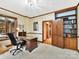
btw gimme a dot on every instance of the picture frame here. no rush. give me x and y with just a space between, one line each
21 27
35 26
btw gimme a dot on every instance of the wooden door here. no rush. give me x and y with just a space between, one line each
54 32
57 30
60 41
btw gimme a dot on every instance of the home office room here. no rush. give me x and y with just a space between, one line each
39 29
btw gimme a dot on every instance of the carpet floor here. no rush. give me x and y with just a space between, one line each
43 51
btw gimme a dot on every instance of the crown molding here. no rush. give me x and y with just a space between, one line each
8 16
42 14
13 12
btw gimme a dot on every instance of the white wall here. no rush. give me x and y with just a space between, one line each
40 20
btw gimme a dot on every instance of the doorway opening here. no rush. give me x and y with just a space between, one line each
47 32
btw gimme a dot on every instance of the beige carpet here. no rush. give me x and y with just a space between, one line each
43 51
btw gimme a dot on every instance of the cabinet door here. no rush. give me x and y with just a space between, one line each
67 43
71 43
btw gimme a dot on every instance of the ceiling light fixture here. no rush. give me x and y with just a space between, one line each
31 2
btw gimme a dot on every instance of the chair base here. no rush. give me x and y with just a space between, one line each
15 50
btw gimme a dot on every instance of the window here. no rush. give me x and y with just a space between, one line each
7 24
67 13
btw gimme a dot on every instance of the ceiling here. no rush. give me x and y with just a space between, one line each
42 7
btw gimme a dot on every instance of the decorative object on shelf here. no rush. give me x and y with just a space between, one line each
68 35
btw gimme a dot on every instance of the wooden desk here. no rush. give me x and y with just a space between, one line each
31 43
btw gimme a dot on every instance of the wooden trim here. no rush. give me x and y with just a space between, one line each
77 24
13 12
16 24
6 24
66 9
42 14
34 33
71 49
7 16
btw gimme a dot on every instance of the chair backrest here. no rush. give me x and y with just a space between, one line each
12 38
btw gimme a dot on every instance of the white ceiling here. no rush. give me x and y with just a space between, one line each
43 6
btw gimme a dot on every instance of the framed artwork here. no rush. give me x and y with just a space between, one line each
21 27
35 26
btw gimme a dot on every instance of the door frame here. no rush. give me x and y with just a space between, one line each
43 30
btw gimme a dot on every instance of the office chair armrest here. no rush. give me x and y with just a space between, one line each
19 41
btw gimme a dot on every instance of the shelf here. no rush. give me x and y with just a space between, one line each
70 27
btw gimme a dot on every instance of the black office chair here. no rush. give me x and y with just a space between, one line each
18 45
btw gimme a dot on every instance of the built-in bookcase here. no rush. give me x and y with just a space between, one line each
69 22
69 17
